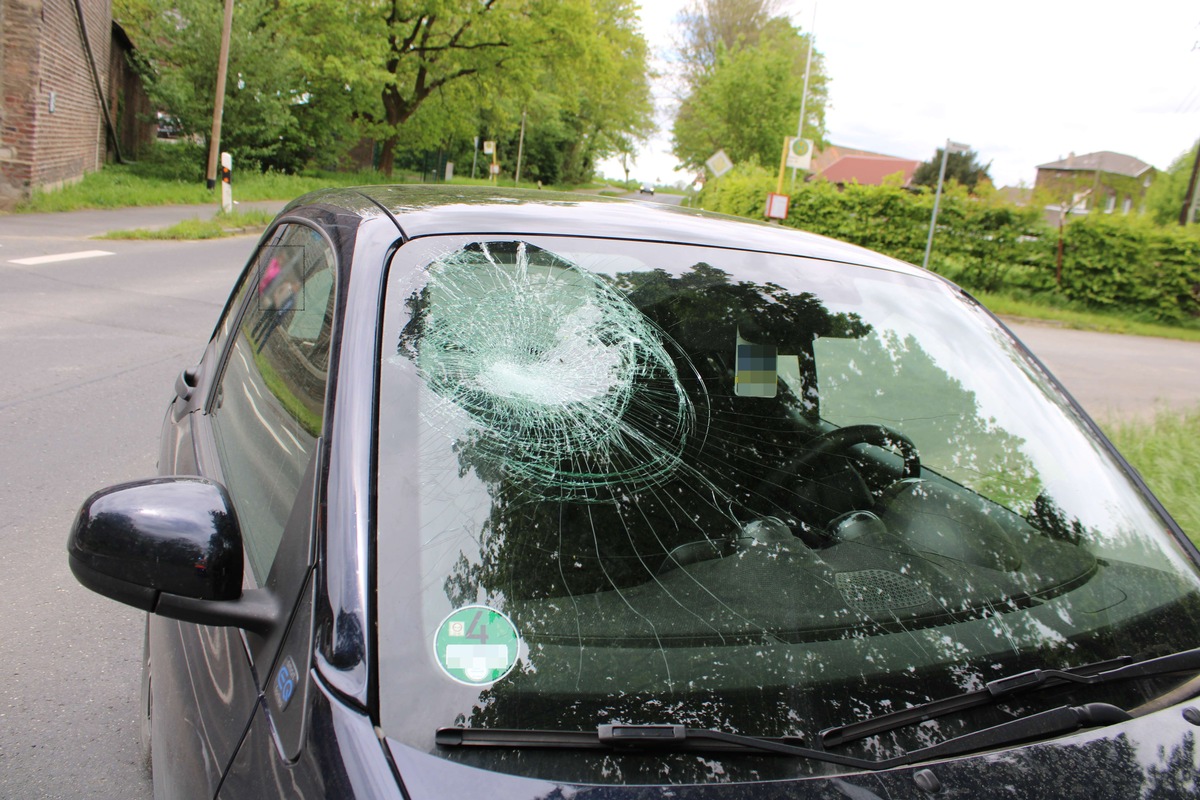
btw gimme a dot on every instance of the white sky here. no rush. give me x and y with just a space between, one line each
1023 83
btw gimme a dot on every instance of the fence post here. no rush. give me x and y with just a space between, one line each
226 187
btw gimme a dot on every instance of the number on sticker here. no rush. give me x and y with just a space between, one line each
481 634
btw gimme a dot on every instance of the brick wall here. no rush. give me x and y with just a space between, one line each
18 82
51 128
70 139
130 107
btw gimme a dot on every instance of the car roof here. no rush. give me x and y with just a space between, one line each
430 210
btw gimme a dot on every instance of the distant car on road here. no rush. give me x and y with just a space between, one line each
646 188
526 494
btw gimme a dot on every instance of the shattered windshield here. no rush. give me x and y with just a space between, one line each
622 482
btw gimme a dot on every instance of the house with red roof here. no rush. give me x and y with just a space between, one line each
844 165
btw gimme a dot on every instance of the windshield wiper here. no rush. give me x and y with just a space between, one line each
1116 669
607 737
678 737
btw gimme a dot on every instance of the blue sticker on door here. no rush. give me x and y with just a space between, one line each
286 681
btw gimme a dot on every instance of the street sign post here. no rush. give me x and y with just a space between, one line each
951 147
777 205
489 147
719 163
799 153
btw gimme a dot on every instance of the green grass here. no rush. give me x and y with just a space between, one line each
1005 305
122 187
1167 454
174 175
239 222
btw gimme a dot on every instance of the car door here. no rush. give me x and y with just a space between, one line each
259 434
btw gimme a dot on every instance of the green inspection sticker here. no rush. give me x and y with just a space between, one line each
476 645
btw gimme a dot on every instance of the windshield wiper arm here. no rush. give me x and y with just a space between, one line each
1120 668
679 737
609 737
641 738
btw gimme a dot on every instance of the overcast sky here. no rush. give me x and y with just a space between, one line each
1023 82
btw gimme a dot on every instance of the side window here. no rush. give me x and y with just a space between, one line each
269 410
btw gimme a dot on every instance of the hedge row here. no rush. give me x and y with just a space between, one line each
985 244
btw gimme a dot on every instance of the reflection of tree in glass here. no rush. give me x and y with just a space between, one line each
546 542
891 379
1050 519
1175 774
596 517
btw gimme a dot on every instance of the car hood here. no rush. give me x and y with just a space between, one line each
1151 756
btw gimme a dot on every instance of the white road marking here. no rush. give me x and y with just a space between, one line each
61 257
263 420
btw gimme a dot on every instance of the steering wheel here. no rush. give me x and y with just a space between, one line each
775 487
840 439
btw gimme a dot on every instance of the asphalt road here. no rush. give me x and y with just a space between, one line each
89 350
659 197
1117 377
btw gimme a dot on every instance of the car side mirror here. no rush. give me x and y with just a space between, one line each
170 546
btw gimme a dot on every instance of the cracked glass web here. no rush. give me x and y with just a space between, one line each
570 387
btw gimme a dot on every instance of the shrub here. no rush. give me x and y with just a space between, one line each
1109 262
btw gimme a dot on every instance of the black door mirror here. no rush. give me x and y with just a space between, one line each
170 546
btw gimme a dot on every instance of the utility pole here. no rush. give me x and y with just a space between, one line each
214 142
1189 200
520 150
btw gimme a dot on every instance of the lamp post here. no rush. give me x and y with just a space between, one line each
812 33
951 147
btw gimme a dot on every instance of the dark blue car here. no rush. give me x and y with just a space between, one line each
489 494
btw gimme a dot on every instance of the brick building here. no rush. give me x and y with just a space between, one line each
1105 182
52 123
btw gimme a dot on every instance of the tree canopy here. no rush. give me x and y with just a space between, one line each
311 78
178 43
1165 197
963 167
743 73
708 27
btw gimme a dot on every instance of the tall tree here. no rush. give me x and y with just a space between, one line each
415 66
748 99
178 42
578 110
1165 197
312 77
710 25
605 102
963 167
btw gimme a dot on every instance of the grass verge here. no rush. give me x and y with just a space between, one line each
1084 320
239 222
1167 454
173 175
